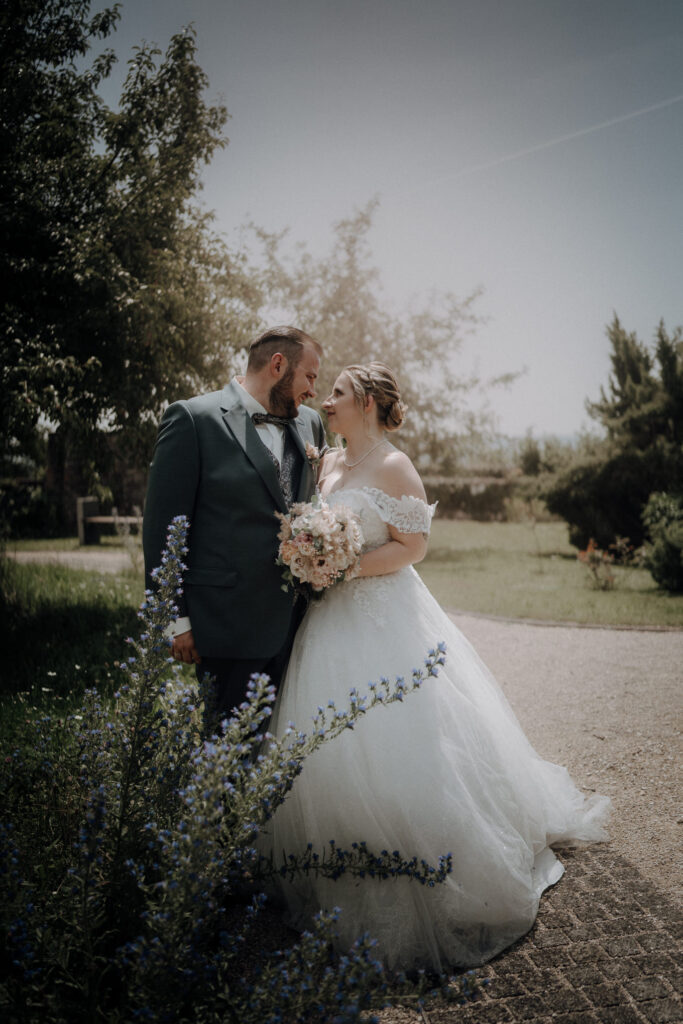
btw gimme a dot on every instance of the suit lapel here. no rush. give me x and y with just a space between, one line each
307 479
243 430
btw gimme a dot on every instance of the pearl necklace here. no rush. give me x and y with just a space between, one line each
350 465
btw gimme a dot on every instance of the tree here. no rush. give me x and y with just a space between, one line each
641 411
337 299
530 457
641 408
119 296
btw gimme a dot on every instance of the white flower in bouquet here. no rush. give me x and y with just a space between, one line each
320 545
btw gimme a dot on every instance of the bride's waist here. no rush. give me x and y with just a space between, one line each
386 577
374 595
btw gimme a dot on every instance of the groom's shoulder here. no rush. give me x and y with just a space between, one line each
310 426
307 415
198 405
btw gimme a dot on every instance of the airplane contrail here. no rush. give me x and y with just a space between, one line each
538 147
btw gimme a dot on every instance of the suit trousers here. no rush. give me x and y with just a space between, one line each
231 675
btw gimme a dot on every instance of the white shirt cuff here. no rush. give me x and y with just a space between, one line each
181 625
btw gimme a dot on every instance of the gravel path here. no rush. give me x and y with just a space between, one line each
608 705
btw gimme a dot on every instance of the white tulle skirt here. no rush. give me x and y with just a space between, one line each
449 770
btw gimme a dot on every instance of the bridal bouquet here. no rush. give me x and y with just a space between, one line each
319 545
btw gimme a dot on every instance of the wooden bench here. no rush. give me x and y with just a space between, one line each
90 522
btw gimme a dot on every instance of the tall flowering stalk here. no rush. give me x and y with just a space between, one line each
129 849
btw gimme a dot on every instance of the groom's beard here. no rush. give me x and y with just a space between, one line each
281 398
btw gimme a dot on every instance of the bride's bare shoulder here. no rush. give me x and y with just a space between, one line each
328 462
398 476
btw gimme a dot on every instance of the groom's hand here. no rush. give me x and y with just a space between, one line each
184 648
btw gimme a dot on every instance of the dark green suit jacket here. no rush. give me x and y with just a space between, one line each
210 465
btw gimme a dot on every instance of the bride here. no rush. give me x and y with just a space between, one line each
449 769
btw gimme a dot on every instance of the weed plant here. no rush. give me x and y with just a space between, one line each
598 564
128 856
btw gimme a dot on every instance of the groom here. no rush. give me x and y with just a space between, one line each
229 461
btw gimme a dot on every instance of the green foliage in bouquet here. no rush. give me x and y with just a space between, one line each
129 874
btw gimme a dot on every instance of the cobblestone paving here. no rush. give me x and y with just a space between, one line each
606 947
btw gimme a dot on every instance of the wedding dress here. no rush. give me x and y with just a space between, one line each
448 770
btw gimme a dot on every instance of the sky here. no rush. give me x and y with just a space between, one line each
533 148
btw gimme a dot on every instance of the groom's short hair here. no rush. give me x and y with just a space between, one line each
288 340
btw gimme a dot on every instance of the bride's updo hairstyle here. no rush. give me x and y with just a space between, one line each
377 380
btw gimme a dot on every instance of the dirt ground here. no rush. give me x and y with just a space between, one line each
608 705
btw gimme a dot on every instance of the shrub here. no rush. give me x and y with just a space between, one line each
601 499
641 412
663 520
26 511
483 498
129 840
525 507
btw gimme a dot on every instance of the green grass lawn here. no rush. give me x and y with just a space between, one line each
63 544
515 570
62 630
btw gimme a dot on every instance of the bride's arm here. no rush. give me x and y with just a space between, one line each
398 478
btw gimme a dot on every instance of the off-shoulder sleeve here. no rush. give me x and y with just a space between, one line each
407 514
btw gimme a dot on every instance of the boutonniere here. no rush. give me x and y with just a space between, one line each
312 454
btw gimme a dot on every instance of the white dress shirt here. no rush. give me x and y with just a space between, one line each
272 437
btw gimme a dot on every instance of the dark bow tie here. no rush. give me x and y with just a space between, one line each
269 417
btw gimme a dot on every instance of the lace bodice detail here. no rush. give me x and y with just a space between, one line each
377 511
